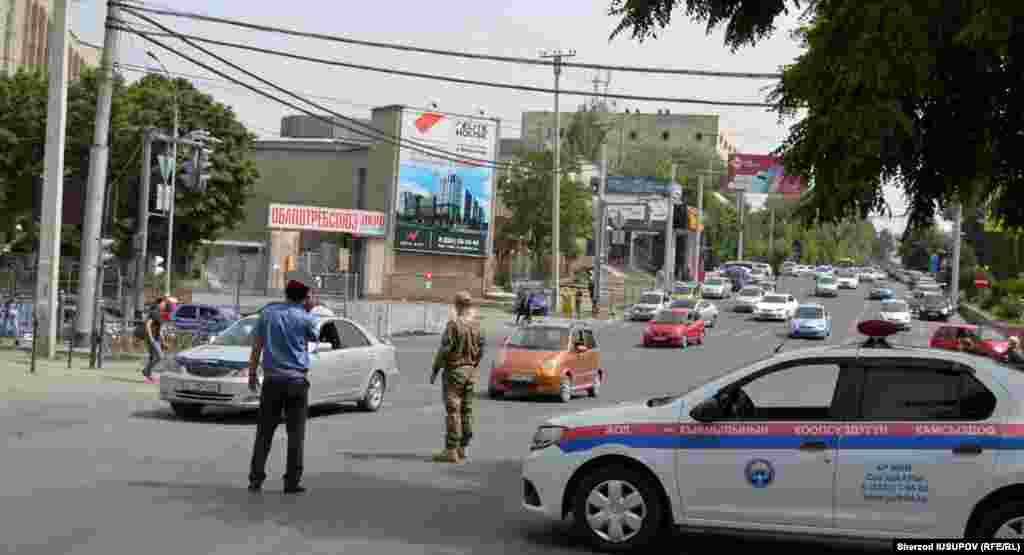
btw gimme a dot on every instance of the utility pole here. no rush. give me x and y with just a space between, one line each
48 274
700 220
740 205
557 56
669 267
600 225
142 229
955 275
99 157
771 232
170 185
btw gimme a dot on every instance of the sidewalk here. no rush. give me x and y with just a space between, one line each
119 377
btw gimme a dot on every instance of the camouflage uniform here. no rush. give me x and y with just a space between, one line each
462 348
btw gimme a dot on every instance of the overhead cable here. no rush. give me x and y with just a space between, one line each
460 80
440 52
390 139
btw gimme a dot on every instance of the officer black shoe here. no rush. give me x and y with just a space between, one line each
294 489
255 487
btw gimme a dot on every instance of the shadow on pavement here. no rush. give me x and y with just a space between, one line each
235 417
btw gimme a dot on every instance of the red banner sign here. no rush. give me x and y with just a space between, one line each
339 220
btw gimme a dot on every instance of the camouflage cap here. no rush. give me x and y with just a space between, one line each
463 299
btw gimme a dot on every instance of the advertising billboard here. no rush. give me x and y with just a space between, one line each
760 174
444 207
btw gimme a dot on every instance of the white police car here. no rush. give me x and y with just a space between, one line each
849 441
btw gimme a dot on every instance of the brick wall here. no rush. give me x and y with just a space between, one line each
451 274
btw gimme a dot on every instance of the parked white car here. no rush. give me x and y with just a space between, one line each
776 307
649 304
896 311
349 364
717 288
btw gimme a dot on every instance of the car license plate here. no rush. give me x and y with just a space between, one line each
205 387
521 379
659 338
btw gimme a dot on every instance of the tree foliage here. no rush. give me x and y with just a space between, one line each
585 134
935 107
527 194
145 103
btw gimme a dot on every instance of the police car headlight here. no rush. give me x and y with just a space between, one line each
546 436
170 366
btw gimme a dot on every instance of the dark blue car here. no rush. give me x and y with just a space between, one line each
203 317
538 304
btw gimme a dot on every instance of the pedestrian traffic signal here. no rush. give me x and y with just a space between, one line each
428 276
595 185
158 265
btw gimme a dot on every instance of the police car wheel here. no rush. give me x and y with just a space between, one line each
1005 521
618 509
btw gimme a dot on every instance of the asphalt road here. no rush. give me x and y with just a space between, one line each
107 474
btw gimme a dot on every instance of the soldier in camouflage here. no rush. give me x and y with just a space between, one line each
462 348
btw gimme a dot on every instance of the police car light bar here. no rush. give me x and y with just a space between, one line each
877 331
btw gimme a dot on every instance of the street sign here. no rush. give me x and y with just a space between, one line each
166 165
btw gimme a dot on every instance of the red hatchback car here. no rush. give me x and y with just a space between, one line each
677 327
990 342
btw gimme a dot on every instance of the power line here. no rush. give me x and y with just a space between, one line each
447 155
440 52
460 80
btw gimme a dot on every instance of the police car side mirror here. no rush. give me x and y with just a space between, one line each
707 411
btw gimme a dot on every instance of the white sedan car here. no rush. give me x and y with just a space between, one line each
865 441
776 307
349 364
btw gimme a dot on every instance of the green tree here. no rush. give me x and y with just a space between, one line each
527 194
585 134
146 103
935 108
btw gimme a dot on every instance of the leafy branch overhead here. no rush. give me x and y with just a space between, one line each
879 98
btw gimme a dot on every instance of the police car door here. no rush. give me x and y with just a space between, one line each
770 464
921 454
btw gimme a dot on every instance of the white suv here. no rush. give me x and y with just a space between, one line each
865 441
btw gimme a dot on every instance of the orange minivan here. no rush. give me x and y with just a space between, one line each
548 358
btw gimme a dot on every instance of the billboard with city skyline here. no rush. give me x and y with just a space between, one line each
760 174
444 207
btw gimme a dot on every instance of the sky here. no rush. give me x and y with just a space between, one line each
523 28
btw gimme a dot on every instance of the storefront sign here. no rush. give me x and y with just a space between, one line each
444 206
339 220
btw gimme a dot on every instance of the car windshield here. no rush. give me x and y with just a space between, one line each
810 313
540 338
671 317
895 307
774 299
650 298
684 303
714 283
238 335
750 292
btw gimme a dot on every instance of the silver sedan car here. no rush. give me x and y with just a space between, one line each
349 364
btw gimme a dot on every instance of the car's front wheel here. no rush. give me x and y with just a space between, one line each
618 509
187 410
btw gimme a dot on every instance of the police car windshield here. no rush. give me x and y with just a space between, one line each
684 303
810 313
540 338
895 307
650 298
238 335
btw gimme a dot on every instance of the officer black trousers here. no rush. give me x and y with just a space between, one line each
291 399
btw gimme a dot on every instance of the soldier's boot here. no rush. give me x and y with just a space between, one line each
461 451
447 456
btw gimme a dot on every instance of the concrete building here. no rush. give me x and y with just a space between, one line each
385 214
24 38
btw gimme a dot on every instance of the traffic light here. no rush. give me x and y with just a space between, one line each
158 265
595 185
428 278
203 169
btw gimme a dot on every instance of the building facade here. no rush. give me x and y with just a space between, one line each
24 39
388 209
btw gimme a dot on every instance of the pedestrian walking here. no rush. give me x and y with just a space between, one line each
462 348
281 342
151 333
11 325
522 305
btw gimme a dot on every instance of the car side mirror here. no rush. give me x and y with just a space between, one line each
708 410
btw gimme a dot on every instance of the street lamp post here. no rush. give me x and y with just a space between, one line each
170 179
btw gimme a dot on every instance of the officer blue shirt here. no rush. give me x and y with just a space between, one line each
286 330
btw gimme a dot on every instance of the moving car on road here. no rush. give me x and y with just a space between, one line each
866 442
707 311
748 299
811 320
717 288
990 342
551 358
826 286
935 307
349 364
881 293
847 280
776 307
686 290
675 327
648 305
896 311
